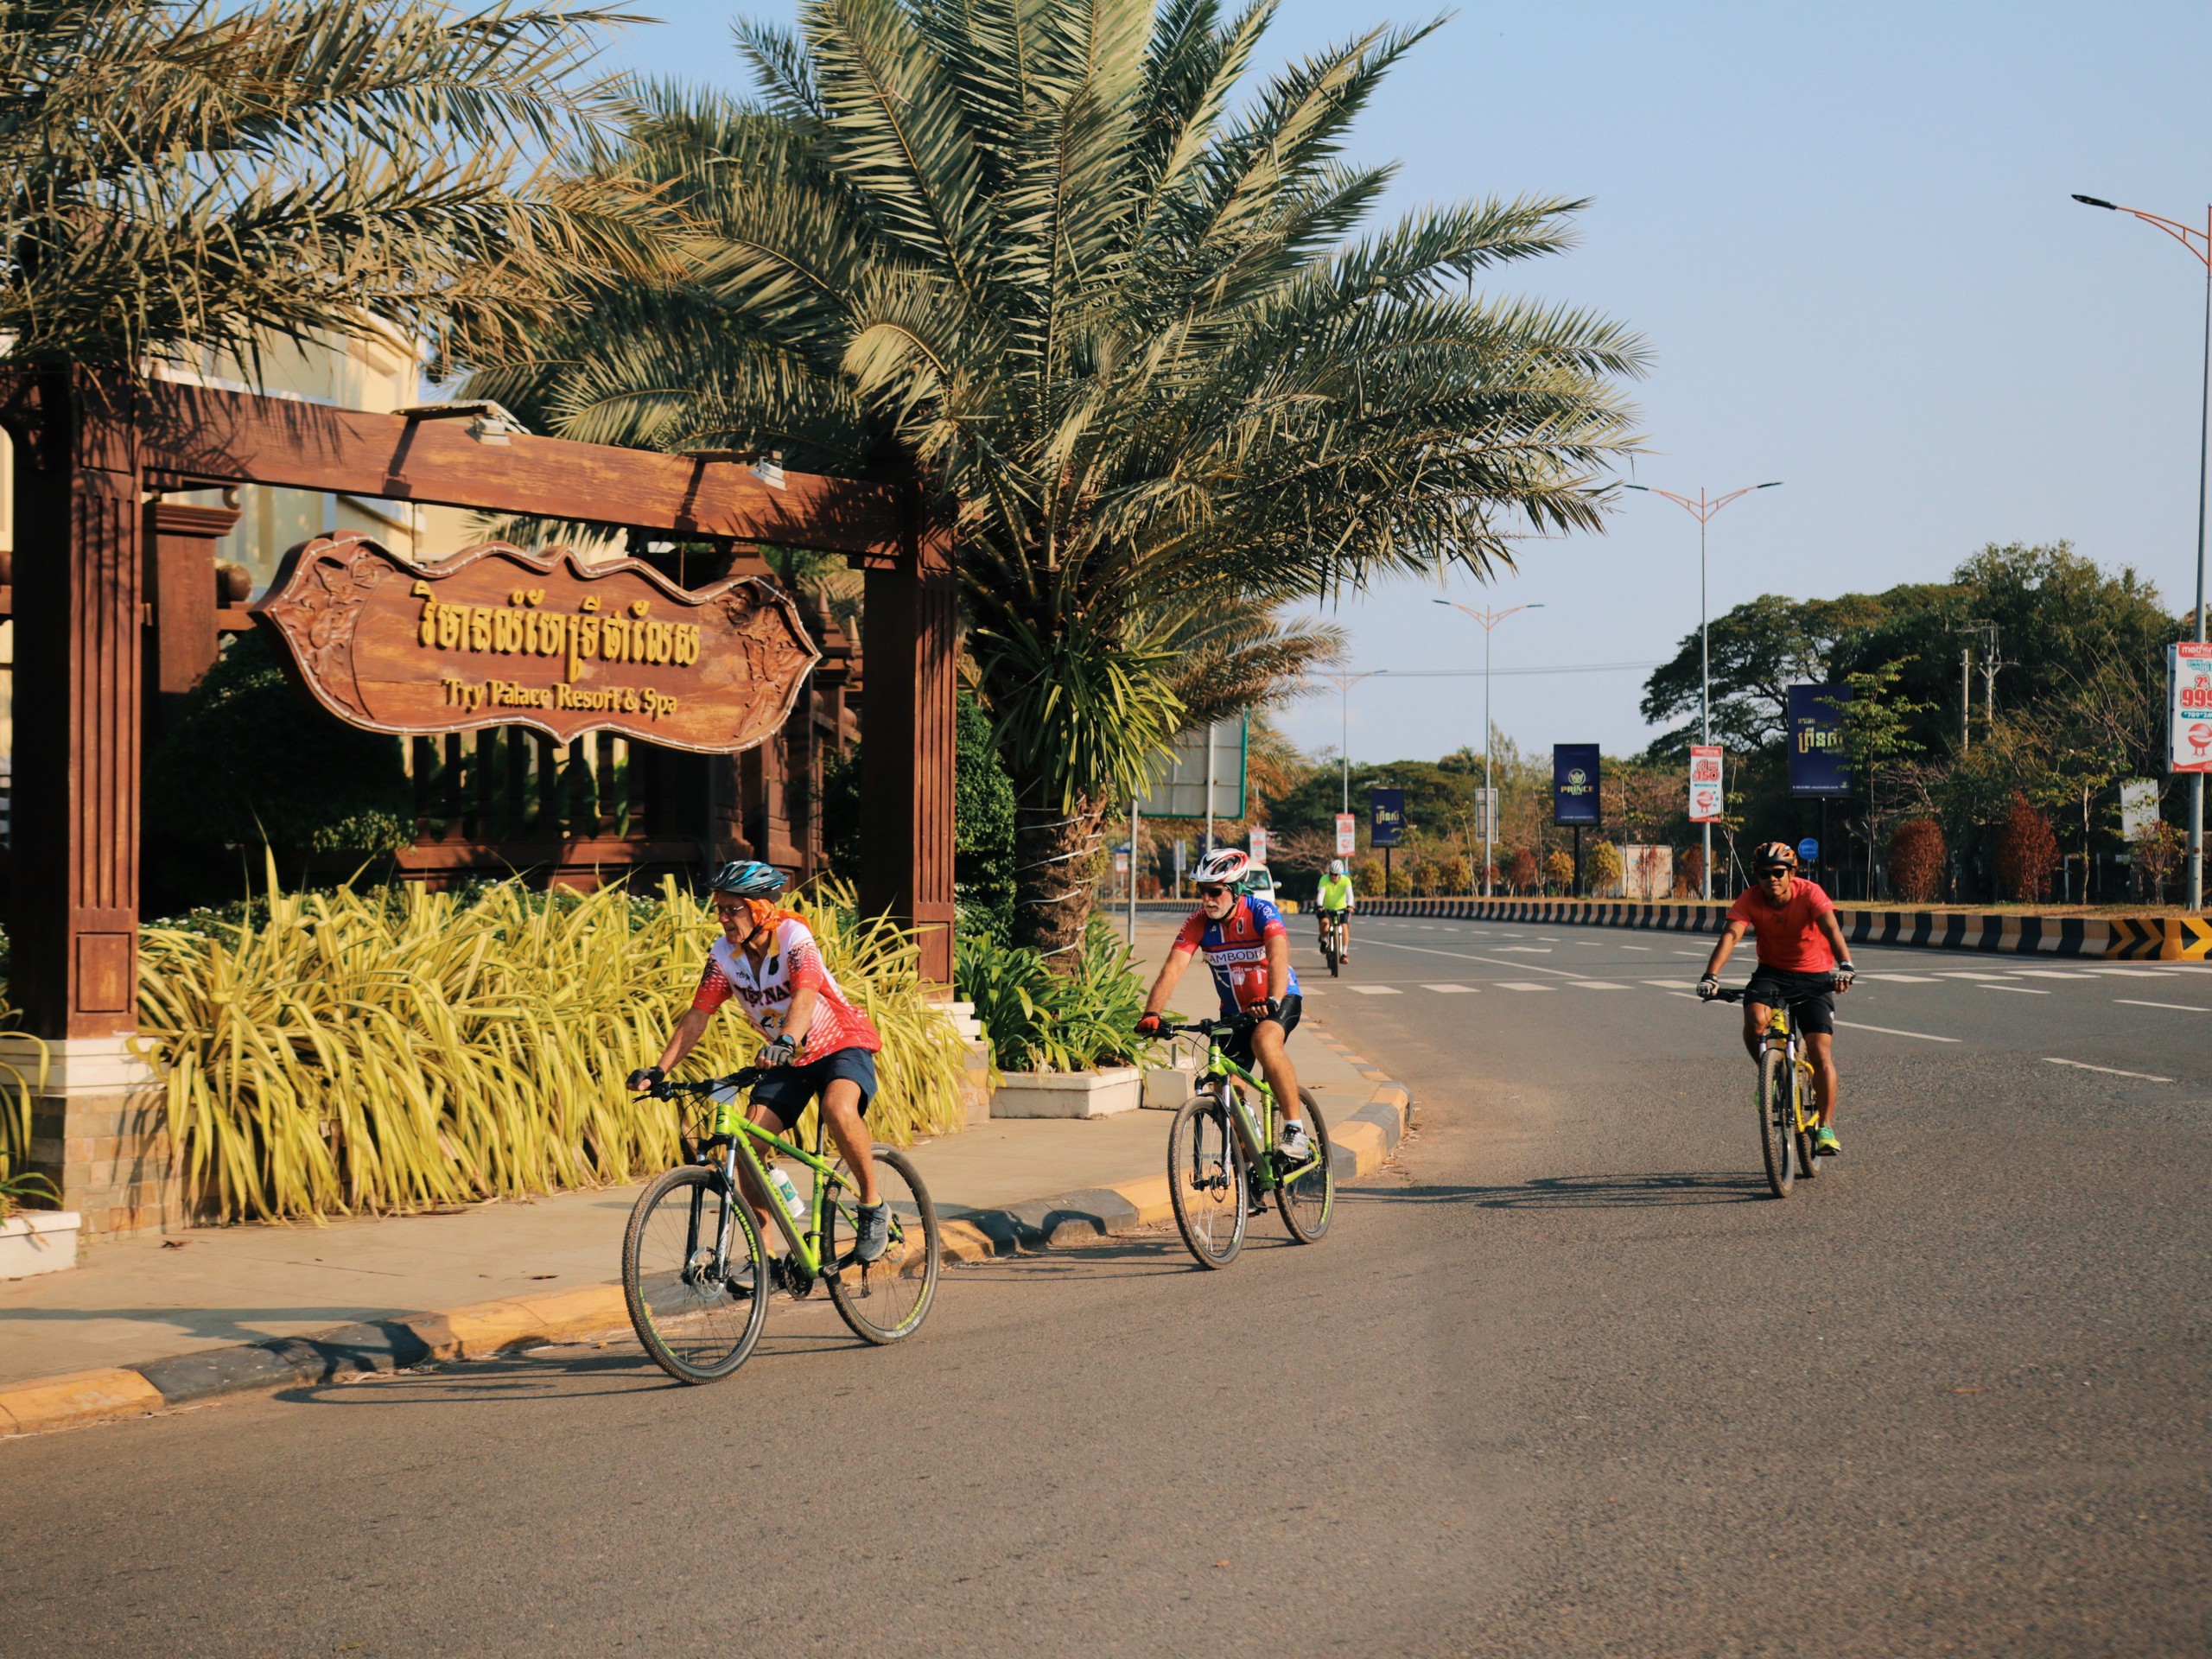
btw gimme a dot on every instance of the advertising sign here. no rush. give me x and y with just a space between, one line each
495 636
1705 783
1178 783
1121 863
1486 815
2139 807
1574 783
1818 765
1347 834
1385 816
2188 676
1259 846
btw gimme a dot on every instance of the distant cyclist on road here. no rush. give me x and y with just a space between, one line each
1335 894
818 1044
1804 964
1248 947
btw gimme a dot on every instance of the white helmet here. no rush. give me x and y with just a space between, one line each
1224 867
1336 866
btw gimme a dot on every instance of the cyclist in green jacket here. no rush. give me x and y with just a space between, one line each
1335 894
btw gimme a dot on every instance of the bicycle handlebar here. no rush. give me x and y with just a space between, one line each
741 1079
1208 1028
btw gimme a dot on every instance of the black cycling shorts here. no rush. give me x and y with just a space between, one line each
1810 998
788 1091
1239 1047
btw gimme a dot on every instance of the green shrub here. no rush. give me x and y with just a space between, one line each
1039 1020
391 1049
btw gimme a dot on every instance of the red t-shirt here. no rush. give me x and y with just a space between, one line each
1789 938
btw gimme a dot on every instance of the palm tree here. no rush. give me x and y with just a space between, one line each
197 177
1037 255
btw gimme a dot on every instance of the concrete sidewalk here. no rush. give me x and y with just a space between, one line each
181 1305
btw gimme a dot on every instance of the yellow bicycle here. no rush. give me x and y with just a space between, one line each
1790 1102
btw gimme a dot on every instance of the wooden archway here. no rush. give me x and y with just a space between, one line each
91 447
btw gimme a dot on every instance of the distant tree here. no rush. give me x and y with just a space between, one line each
1522 872
2157 852
1604 867
1877 736
1917 860
2027 853
1559 871
1689 870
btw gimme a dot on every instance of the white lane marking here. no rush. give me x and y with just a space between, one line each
2135 973
1508 985
1645 948
1452 991
1969 974
1548 938
2052 973
1667 984
1599 985
1526 950
2017 990
2179 1008
1887 1031
1692 995
2109 1070
1693 953
1373 990
1904 979
1462 956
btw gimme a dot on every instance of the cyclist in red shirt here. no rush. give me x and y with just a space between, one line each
1804 965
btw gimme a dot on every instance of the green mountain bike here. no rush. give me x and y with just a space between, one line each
1222 1160
696 1273
1790 1105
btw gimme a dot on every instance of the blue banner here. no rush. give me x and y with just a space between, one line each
1818 765
1385 816
1574 783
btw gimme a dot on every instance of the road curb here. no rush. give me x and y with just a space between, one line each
211 1376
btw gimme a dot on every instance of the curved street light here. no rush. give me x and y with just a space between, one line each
1702 510
2199 244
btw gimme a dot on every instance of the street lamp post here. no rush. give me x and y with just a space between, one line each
2199 244
1489 619
1702 510
1344 683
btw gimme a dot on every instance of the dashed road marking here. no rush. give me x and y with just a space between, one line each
1510 985
1373 990
1599 985
1889 1031
2109 1070
1452 991
2179 1008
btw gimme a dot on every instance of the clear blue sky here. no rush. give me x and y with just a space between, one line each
1846 233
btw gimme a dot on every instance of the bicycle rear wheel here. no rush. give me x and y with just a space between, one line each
1206 1181
885 1300
1334 951
1777 1125
1308 1199
697 1322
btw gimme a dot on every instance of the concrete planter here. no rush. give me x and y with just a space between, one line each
1068 1094
38 1241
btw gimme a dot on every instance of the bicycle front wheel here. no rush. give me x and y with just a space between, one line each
1808 1116
886 1299
1778 1119
694 1275
1307 1199
1206 1181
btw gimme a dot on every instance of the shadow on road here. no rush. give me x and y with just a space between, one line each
1643 1192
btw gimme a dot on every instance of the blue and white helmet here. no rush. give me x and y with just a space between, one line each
747 878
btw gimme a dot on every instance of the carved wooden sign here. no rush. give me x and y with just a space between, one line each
494 636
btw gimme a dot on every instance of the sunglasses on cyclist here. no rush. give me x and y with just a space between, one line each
1212 892
1766 870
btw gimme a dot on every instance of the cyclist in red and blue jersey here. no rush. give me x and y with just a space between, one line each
1248 948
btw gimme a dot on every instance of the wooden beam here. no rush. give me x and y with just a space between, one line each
197 435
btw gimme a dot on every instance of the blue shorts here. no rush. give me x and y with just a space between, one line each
790 1089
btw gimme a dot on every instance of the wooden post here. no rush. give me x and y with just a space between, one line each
99 1124
78 653
906 744
181 583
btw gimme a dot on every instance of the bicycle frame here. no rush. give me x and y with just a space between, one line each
745 1149
1792 1044
1258 1134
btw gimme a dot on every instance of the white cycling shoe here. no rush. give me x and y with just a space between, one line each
1296 1147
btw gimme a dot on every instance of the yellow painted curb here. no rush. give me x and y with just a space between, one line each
573 1313
80 1397
963 1240
1148 1198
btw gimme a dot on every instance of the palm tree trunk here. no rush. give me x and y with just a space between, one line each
1055 874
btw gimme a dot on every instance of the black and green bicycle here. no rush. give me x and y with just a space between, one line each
696 1273
1224 1159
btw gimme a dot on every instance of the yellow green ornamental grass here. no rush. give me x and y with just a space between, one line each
388 1052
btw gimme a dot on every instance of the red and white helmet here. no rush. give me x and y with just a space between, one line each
1224 867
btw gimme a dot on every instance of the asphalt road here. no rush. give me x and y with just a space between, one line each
1565 1381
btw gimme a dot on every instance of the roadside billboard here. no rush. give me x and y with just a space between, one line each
1818 765
1347 834
2189 706
1177 788
1385 816
1259 845
1574 783
1486 815
1705 783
